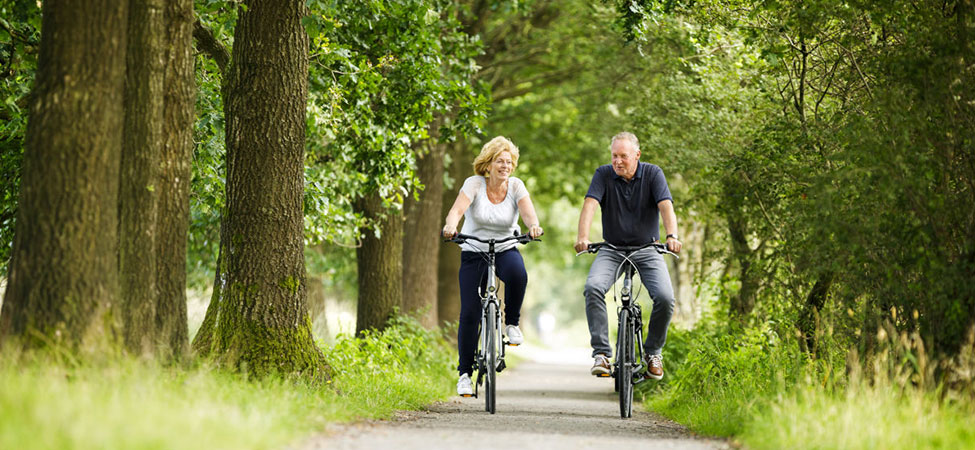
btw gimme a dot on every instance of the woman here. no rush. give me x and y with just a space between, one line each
490 202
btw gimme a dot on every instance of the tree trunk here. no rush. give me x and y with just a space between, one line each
261 325
380 265
742 304
63 275
138 190
421 243
809 317
174 185
448 264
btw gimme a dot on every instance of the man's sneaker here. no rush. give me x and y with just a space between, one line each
600 366
514 335
464 387
655 367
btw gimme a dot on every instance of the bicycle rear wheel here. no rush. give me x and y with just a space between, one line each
491 357
625 356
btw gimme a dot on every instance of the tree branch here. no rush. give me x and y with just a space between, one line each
208 43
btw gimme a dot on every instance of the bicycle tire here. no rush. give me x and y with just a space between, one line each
616 364
625 356
491 358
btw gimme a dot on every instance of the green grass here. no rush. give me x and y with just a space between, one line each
46 404
861 418
766 394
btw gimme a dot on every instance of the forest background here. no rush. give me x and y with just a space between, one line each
821 156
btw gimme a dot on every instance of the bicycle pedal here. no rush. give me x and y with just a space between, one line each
603 375
467 395
511 345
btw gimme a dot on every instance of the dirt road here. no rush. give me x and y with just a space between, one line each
549 403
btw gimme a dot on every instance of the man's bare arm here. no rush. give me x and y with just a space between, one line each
585 222
666 208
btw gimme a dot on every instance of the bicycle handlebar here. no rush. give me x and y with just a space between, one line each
460 238
660 248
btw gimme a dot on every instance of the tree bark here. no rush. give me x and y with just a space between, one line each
261 325
380 265
63 275
421 245
174 186
448 264
138 190
742 304
809 317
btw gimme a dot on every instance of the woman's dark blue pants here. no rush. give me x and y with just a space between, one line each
510 268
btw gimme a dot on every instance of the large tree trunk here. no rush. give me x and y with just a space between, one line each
448 264
380 265
261 325
421 246
138 193
174 185
63 275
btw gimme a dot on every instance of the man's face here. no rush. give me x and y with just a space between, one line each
625 158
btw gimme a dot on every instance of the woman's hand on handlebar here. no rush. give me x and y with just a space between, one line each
535 231
449 231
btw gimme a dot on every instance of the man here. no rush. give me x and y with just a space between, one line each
632 195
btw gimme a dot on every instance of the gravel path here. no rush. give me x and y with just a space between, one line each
550 402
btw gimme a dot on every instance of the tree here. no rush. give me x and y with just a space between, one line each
174 186
260 321
139 175
380 265
64 267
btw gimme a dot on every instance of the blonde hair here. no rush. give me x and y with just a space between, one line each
490 151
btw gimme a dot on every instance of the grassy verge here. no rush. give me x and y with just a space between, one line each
47 404
764 393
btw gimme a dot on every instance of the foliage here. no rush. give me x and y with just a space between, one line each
407 364
758 387
843 163
725 378
92 403
380 71
20 25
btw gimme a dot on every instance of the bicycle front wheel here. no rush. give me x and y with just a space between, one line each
491 356
624 363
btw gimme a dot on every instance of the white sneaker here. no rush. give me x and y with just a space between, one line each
464 387
514 335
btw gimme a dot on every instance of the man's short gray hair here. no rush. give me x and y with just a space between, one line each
625 136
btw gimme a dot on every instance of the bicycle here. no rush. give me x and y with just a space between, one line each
487 361
629 334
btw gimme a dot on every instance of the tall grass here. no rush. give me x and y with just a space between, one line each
46 403
765 393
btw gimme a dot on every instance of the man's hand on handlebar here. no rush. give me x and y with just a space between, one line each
582 245
674 244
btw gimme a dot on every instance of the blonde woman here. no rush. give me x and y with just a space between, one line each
490 202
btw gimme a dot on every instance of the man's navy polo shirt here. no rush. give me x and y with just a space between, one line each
630 215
